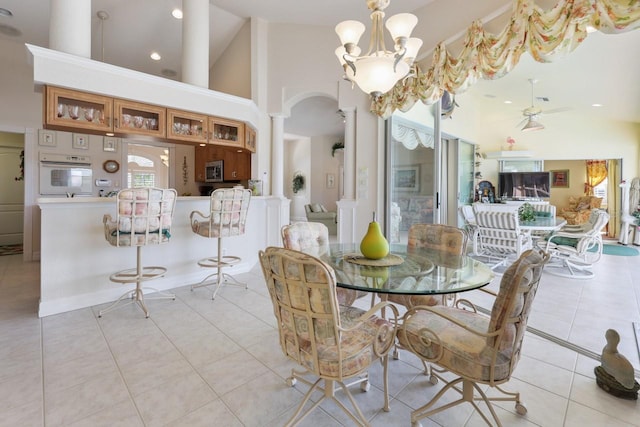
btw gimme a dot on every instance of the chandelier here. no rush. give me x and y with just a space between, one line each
379 69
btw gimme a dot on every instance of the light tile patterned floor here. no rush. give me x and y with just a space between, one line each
198 362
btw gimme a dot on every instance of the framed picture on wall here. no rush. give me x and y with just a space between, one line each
80 141
331 180
560 178
406 178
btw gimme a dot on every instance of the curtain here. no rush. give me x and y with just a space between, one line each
546 34
613 198
596 173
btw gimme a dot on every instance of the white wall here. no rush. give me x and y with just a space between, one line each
322 165
232 71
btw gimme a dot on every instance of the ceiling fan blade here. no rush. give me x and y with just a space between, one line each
556 110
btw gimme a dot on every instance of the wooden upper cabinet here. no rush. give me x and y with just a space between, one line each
226 132
69 108
139 119
186 126
250 139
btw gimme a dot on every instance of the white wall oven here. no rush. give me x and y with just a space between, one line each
65 175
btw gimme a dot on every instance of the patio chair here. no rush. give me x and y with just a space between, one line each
574 249
499 237
475 348
329 341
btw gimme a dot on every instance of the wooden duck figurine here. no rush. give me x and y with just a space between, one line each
616 374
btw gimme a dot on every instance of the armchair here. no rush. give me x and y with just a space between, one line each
477 349
318 213
580 209
329 341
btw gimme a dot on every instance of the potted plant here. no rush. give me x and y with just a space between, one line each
298 182
336 146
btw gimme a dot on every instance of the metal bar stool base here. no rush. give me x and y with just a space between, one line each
137 276
219 278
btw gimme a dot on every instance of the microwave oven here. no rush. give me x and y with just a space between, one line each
213 171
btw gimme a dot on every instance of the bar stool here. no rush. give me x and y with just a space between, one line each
227 218
143 218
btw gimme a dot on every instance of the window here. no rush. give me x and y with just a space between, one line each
600 190
141 179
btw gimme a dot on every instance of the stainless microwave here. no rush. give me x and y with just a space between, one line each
213 171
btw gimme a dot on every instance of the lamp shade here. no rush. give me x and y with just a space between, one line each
375 74
532 124
350 31
401 25
413 46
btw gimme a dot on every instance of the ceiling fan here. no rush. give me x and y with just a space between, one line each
532 114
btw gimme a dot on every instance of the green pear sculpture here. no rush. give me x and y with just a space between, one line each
374 245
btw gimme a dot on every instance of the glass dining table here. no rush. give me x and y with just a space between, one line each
406 271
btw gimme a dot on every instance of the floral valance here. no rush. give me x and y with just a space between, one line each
545 34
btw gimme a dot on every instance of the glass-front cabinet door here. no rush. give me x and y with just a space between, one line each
226 132
140 119
79 110
186 126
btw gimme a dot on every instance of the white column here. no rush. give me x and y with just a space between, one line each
195 42
349 153
70 27
277 156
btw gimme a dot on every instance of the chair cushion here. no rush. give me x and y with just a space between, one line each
466 353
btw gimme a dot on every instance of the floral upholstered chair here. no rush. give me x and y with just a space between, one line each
227 218
579 209
313 238
476 348
143 217
332 342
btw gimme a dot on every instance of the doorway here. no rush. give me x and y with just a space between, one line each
11 188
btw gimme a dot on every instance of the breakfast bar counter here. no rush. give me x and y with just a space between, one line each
76 260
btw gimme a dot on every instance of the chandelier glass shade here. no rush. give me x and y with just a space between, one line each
377 71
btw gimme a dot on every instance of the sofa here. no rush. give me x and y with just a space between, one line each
415 210
579 209
318 213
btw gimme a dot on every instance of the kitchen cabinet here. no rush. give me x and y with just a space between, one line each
136 118
66 108
226 132
200 159
250 139
186 126
236 163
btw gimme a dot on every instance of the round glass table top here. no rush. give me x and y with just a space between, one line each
420 271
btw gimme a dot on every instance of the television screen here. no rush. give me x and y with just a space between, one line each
523 185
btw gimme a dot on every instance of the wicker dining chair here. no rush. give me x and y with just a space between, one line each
476 348
330 341
313 238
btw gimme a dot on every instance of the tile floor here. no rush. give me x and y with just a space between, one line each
197 362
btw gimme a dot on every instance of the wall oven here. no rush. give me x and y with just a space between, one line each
63 174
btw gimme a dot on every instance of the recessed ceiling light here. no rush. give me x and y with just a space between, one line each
176 13
596 105
155 56
5 12
8 30
508 102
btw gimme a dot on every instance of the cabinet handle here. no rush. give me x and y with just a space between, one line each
115 122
